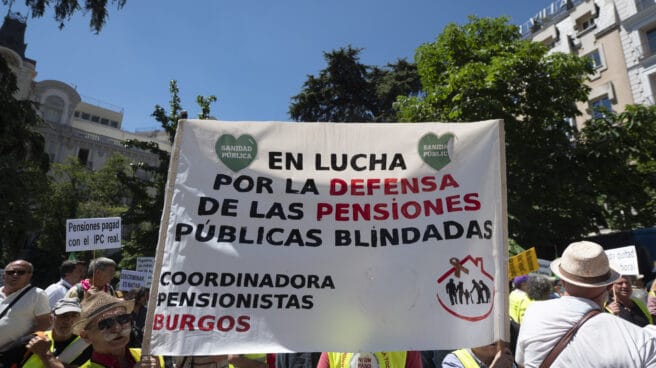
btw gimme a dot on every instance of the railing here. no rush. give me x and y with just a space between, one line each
547 15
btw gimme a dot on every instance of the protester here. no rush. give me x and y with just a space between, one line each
140 297
297 360
518 299
603 340
396 359
105 323
23 310
71 272
651 299
487 356
101 272
59 347
557 288
625 306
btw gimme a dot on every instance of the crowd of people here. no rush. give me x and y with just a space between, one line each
587 315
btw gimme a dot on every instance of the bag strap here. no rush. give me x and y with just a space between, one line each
560 345
15 300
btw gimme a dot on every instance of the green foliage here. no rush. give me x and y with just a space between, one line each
77 192
620 152
147 183
484 70
23 167
65 9
349 91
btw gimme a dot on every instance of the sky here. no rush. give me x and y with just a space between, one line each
252 55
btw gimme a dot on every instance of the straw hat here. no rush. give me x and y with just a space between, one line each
95 304
584 264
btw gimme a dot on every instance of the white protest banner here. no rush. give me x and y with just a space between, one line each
624 260
131 279
146 265
281 237
93 233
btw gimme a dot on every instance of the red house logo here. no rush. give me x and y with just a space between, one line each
466 290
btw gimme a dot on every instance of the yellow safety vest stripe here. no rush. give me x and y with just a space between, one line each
392 359
466 359
35 362
258 357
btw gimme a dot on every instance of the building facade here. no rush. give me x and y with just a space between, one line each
72 127
615 35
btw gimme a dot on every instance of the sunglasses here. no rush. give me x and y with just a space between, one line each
108 323
15 272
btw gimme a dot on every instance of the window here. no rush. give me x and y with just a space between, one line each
651 40
95 118
83 155
584 24
77 114
595 58
53 109
104 121
600 107
86 116
114 124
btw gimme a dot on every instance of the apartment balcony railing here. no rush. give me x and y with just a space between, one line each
547 15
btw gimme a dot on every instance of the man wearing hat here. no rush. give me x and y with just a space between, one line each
59 347
604 340
105 323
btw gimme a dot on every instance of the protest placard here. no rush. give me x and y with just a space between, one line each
146 265
93 233
624 260
544 267
523 263
131 279
331 237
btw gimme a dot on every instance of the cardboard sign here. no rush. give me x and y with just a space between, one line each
523 263
131 279
93 233
284 237
146 265
624 260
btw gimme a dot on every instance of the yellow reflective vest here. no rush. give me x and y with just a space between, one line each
259 357
392 359
72 351
643 309
467 360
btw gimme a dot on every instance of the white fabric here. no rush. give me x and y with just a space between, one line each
57 291
603 341
19 319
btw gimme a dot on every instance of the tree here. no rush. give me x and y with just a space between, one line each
65 9
74 191
621 148
349 91
147 183
484 70
23 167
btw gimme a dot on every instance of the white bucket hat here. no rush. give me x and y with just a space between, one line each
584 264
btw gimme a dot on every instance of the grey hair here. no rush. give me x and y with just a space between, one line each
539 287
100 263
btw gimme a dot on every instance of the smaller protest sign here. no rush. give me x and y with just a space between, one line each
624 260
523 263
131 279
93 233
544 267
146 265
